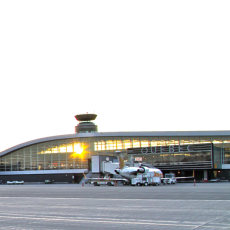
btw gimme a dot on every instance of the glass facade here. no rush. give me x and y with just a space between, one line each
74 153
60 154
178 160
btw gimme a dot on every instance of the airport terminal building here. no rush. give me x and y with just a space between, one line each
64 158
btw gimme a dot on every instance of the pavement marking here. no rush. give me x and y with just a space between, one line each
102 220
95 198
213 223
193 225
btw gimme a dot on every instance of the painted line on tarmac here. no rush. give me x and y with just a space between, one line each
87 220
104 199
95 218
101 220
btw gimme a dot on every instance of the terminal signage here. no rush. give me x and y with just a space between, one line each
170 149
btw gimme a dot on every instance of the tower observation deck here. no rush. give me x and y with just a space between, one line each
85 123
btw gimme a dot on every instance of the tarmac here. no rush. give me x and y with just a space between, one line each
202 206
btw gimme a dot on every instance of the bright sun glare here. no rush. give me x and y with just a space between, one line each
78 149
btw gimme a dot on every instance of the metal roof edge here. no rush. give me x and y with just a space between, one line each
166 133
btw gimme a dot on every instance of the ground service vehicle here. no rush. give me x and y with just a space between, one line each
169 178
15 182
106 181
134 175
143 179
141 175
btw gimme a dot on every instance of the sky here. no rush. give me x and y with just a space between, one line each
139 65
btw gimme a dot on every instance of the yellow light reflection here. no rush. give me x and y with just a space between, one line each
78 148
78 151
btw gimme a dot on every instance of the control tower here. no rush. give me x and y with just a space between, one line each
85 123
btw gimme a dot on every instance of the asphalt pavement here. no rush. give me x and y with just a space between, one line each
69 206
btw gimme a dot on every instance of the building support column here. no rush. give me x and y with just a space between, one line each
205 175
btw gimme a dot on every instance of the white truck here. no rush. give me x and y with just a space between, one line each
169 178
145 179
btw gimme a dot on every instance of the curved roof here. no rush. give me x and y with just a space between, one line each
120 134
